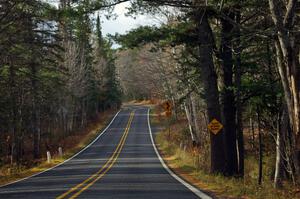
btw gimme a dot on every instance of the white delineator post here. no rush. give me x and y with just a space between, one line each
48 157
60 152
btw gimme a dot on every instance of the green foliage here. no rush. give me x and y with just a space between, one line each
112 94
166 35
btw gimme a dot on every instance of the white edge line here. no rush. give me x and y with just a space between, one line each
103 131
196 191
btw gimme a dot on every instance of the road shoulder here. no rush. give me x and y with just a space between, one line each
177 175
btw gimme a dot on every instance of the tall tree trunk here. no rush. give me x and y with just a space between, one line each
195 119
290 105
13 113
190 121
238 83
239 119
209 78
279 150
229 109
34 113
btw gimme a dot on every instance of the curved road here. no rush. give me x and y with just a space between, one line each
122 163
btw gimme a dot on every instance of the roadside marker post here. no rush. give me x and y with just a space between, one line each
60 152
168 108
48 157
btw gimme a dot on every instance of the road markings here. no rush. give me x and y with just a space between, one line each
196 191
108 165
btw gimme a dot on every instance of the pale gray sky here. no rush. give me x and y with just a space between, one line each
122 24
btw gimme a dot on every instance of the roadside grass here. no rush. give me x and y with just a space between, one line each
10 173
150 102
195 168
184 163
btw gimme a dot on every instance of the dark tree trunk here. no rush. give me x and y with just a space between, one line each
239 115
13 114
239 122
260 148
34 96
229 109
206 43
252 131
34 117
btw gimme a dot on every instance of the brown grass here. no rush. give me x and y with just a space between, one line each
186 164
143 102
71 145
183 163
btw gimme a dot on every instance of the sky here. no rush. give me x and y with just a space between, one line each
122 23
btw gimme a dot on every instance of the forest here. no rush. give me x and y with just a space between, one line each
57 74
233 61
236 61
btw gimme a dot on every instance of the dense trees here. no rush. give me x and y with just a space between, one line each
26 48
52 68
232 47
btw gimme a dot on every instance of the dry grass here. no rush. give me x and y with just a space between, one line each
195 168
143 102
184 163
72 145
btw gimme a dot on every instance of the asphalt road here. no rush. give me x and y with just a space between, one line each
121 163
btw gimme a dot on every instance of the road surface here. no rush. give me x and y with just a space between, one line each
122 163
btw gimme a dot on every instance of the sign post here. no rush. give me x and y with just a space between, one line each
168 109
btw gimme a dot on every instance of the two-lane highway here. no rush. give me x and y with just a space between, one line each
122 162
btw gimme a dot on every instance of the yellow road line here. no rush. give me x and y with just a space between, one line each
107 169
109 163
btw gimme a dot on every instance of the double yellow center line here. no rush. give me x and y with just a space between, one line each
78 189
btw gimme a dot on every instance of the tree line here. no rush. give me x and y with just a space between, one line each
57 74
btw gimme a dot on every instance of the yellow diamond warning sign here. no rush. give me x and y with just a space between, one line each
215 126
